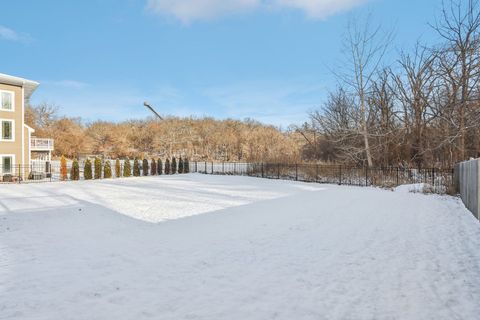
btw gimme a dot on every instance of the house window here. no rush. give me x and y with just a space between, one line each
6 162
7 130
6 101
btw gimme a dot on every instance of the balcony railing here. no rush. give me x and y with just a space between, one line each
40 144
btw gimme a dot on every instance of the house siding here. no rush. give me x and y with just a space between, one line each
26 149
15 147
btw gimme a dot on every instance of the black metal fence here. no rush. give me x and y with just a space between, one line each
52 171
29 173
435 180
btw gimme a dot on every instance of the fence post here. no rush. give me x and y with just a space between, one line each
340 174
366 176
223 167
397 177
262 171
296 172
278 170
433 177
316 172
205 167
454 175
211 167
234 168
196 167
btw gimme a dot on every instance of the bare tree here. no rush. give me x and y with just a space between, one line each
383 116
414 91
42 115
459 26
338 121
424 111
364 47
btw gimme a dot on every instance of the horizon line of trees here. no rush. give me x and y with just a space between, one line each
199 139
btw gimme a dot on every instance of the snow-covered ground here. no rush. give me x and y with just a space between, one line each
215 247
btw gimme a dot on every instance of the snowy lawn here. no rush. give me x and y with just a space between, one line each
214 247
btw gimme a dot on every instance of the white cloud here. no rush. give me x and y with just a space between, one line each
8 34
12 35
319 8
188 11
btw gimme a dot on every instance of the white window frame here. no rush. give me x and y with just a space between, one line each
13 130
13 101
12 167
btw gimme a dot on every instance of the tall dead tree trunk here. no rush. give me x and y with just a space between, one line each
365 47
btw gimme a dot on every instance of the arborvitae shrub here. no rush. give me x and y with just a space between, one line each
107 170
167 166
174 166
63 169
180 165
153 167
136 168
98 168
159 166
145 167
127 169
87 170
117 169
75 170
186 166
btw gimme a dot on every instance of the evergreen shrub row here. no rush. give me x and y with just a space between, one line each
144 167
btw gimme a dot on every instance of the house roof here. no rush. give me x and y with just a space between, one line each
28 85
29 128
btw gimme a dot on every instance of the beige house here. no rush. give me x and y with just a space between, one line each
16 138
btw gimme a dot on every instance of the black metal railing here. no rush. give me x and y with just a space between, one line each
435 179
26 173
52 171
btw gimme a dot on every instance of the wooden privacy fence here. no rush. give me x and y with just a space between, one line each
438 180
467 183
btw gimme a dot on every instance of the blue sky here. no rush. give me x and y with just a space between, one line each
264 59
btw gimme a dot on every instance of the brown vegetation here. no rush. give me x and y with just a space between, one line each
424 110
196 139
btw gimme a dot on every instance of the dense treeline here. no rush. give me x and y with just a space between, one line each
422 110
196 139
